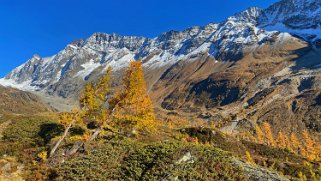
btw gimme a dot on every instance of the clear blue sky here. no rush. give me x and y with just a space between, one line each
44 27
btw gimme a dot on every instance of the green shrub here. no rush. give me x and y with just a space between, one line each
103 161
131 160
50 130
32 132
77 130
158 161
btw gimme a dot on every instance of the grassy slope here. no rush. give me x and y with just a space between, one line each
19 102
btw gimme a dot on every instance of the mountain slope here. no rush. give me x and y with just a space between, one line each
258 65
300 17
19 102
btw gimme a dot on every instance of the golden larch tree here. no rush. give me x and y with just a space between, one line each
269 140
94 109
92 103
281 140
88 100
295 144
131 106
249 158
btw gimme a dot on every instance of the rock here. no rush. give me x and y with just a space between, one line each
245 124
205 115
6 168
187 158
20 167
256 173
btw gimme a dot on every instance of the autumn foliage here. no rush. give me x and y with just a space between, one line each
307 146
268 134
94 99
131 106
259 134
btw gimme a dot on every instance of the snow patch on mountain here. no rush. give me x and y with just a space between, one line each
26 86
87 69
308 34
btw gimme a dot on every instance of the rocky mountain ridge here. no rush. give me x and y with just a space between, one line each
226 41
299 17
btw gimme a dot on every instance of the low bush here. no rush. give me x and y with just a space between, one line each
130 160
35 132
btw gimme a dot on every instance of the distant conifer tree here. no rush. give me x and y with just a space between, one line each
259 134
281 140
309 145
269 140
249 158
295 144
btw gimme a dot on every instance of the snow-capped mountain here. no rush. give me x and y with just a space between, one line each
299 17
226 41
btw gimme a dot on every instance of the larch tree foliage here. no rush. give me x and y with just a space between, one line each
94 100
88 101
287 142
132 108
259 134
295 143
249 158
281 140
92 103
309 145
67 120
269 140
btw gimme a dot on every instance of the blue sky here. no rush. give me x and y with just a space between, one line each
44 27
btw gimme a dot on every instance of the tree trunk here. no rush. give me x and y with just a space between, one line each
75 148
96 133
53 150
79 144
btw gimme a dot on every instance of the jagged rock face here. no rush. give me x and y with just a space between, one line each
300 17
296 14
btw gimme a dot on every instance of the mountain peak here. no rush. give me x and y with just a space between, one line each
299 17
249 15
36 57
295 14
100 36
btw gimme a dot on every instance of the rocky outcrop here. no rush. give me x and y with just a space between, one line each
256 173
